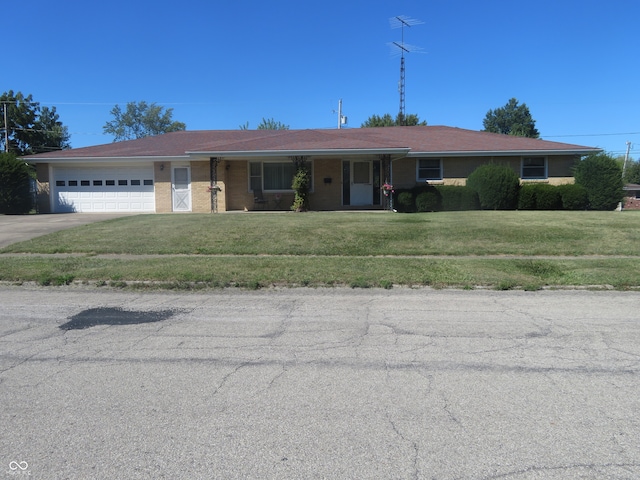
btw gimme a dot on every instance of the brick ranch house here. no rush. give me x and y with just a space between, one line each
217 171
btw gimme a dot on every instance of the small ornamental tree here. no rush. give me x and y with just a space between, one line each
15 185
497 186
601 175
301 185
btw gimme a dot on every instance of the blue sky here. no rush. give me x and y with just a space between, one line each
221 64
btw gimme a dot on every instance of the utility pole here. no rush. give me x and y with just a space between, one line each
6 128
342 120
626 159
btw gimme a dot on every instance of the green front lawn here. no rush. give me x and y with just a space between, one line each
340 248
353 234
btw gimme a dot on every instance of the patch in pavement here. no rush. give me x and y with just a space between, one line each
114 316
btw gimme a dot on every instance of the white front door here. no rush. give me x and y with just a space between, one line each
361 182
181 189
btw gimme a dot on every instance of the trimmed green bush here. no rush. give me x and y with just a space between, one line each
497 186
574 197
457 198
405 202
548 197
429 200
15 185
527 197
601 175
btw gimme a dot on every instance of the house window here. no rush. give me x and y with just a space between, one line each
429 169
255 176
271 175
534 167
60 183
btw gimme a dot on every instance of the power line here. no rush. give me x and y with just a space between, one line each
592 135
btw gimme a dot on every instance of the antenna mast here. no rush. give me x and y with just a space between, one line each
401 22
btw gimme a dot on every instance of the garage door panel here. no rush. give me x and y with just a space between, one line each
104 189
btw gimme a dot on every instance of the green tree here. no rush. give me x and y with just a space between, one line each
632 172
271 124
30 129
267 124
387 120
512 119
601 175
139 120
15 185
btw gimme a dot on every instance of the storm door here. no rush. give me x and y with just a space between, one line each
181 189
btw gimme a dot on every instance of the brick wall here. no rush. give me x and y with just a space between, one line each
237 194
326 196
162 175
631 203
43 197
200 181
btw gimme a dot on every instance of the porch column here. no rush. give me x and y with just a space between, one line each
213 182
387 173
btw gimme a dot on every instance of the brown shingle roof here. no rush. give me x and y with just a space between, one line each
418 139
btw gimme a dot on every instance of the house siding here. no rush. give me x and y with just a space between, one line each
200 195
326 196
162 175
43 194
237 195
455 170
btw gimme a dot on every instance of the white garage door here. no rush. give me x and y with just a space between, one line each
103 189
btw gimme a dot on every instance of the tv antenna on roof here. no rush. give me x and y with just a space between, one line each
400 22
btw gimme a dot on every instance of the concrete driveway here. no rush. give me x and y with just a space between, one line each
17 228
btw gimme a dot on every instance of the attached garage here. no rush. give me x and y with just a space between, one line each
103 189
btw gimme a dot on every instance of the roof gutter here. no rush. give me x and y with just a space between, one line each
137 159
502 153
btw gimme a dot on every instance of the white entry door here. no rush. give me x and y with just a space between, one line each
181 189
361 182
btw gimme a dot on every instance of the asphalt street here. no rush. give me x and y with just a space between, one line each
319 383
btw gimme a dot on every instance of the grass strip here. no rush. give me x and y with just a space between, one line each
362 272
